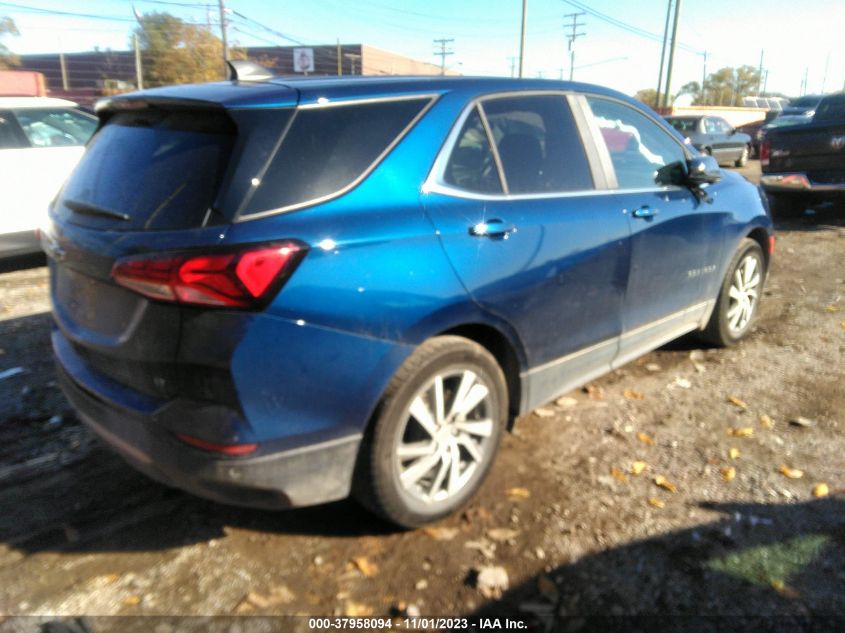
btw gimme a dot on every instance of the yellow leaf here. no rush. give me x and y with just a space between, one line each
638 467
733 453
783 589
633 395
440 533
518 493
728 473
365 566
654 502
645 438
131 601
594 392
737 402
792 473
821 490
745 431
842 325
664 483
356 610
618 474
766 422
832 308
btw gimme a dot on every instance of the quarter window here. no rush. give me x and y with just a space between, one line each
327 149
643 155
471 165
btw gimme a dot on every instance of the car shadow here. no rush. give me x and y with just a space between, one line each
21 262
816 217
781 562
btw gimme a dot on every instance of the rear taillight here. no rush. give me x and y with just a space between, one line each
232 450
765 151
244 279
771 245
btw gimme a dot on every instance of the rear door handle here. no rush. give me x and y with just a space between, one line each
494 229
645 212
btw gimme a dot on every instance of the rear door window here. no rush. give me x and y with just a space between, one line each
330 148
538 144
471 165
151 169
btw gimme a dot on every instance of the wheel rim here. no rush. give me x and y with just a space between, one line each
446 435
744 293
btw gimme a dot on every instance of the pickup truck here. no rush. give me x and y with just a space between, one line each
805 163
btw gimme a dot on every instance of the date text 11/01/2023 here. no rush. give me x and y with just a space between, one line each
416 624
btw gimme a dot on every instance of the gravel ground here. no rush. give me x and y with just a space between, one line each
670 486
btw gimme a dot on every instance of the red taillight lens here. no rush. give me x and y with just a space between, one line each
765 151
771 244
242 279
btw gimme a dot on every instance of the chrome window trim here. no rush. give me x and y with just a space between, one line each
432 99
329 103
491 140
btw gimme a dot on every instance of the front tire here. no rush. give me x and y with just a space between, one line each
435 433
739 296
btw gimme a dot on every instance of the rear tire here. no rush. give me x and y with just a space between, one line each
739 296
743 158
435 433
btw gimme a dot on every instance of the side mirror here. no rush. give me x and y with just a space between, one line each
702 170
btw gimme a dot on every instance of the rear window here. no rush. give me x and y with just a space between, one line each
328 149
56 127
683 125
156 169
831 109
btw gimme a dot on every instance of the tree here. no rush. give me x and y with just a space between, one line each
727 86
176 52
692 88
649 97
7 57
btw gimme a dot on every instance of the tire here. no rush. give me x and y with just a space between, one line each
401 489
786 205
743 158
730 321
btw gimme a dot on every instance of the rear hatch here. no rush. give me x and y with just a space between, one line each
816 148
160 175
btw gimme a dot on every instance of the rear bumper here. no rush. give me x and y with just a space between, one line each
138 431
798 182
21 243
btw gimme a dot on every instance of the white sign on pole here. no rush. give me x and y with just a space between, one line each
303 60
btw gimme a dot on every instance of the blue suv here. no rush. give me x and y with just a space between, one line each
279 292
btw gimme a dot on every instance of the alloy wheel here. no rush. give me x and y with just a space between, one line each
446 435
744 293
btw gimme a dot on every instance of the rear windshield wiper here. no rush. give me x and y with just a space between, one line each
89 209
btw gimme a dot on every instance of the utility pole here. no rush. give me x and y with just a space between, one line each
352 57
572 37
804 83
63 66
657 100
339 60
760 73
522 37
139 75
672 53
443 53
223 36
513 66
704 80
824 77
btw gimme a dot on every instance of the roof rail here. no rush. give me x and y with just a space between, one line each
244 70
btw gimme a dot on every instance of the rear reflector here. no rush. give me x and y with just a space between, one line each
233 450
242 279
771 244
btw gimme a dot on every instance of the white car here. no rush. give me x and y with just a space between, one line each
41 140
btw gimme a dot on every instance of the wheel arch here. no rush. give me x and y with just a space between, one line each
503 350
761 236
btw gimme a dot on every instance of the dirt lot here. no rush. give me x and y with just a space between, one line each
576 531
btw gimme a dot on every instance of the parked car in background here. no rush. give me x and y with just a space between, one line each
755 131
805 105
805 163
41 140
278 292
714 136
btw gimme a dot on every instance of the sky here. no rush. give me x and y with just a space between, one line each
620 47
